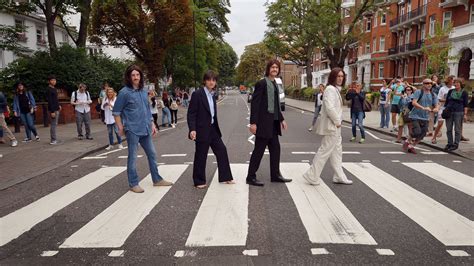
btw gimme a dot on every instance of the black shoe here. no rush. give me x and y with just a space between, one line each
89 138
281 179
447 147
453 148
254 182
80 137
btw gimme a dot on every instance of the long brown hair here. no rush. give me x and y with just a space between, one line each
128 76
333 76
270 63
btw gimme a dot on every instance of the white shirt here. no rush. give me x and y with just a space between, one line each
82 103
387 92
108 116
319 97
443 92
154 110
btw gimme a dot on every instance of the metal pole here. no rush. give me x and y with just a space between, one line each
194 49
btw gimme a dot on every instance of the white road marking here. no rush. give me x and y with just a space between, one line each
222 219
391 152
174 155
179 254
250 252
74 166
446 225
210 154
320 251
458 253
385 252
324 215
251 139
433 152
20 221
109 152
126 156
350 152
428 161
94 157
188 162
366 161
395 161
445 175
457 161
305 161
116 253
49 253
265 153
112 227
303 152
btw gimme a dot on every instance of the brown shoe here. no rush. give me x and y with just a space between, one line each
163 183
137 189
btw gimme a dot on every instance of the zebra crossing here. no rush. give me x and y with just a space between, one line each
223 218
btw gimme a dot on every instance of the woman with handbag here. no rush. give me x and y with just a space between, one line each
24 106
357 111
165 111
455 113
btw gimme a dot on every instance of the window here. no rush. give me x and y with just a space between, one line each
347 13
20 24
446 19
381 68
422 66
383 19
372 73
376 18
407 36
40 35
423 31
471 20
382 43
65 37
432 25
374 45
368 24
367 47
2 59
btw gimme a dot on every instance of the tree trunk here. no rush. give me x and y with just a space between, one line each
337 57
85 9
309 70
50 18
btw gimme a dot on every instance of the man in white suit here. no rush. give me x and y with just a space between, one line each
329 126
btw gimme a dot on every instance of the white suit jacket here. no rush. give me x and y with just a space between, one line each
331 112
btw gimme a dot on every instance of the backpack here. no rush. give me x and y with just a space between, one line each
75 96
174 105
410 104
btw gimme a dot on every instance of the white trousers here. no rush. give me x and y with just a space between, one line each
331 148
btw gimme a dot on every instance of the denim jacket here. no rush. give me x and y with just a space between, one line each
132 106
16 102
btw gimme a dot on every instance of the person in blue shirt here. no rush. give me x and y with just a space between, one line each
424 102
397 89
24 106
133 118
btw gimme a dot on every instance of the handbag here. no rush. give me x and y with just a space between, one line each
98 107
367 106
447 113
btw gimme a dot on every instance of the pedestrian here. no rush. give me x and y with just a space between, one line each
108 105
424 102
404 122
54 107
165 111
384 105
102 95
4 109
133 119
174 110
204 130
397 89
318 101
329 126
185 99
24 106
266 122
357 97
153 103
442 93
81 100
457 106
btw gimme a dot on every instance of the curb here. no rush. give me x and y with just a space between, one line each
393 135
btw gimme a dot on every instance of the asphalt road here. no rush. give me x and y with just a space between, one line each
82 213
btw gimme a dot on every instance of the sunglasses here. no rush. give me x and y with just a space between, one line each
427 83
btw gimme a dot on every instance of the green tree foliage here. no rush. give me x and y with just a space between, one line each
215 22
252 63
436 49
227 59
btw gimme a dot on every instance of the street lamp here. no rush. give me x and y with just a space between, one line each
205 10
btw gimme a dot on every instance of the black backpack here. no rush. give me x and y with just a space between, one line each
75 96
410 104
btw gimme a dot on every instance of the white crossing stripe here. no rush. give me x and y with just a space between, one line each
126 156
116 253
385 252
446 225
433 152
113 151
458 253
250 252
94 158
391 152
20 221
445 175
320 251
112 227
51 253
174 155
222 219
325 217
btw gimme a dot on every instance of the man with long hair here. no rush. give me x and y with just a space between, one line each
133 119
266 122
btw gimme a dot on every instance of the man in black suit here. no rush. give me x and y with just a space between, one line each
204 130
266 121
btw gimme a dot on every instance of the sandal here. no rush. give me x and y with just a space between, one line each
201 186
433 141
230 182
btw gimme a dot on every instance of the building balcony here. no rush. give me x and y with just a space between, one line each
409 49
453 3
414 17
464 31
348 3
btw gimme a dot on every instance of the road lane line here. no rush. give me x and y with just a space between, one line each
391 152
109 152
112 227
433 152
94 157
324 215
445 175
174 155
20 221
126 156
222 219
446 225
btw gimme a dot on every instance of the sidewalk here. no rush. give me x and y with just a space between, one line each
28 160
372 122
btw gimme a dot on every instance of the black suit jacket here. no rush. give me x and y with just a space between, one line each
259 114
199 116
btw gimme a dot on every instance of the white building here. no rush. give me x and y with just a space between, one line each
462 40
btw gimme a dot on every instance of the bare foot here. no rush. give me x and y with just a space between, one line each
229 182
201 186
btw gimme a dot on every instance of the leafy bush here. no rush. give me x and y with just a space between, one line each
308 92
289 90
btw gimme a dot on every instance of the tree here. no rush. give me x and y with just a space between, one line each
147 28
84 7
291 32
436 49
215 22
252 63
227 59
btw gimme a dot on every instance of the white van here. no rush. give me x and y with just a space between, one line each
282 93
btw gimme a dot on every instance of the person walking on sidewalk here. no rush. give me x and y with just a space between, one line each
329 126
457 104
3 124
131 108
204 130
165 111
266 122
53 107
384 105
357 111
442 93
102 96
423 103
153 107
185 99
81 100
318 102
108 105
174 110
398 89
24 106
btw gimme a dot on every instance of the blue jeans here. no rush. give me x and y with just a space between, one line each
165 112
27 120
384 115
456 121
111 129
147 144
358 119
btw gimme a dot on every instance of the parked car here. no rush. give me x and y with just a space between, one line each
282 93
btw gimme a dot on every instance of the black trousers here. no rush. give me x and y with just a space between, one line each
200 158
258 151
174 116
